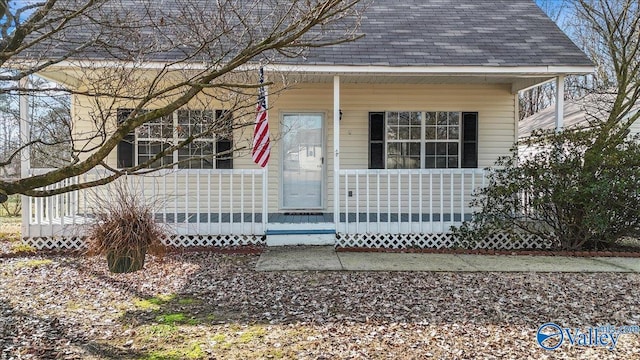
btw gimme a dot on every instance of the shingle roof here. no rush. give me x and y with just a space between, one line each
577 113
455 32
502 33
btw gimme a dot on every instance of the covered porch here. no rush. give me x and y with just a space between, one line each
360 206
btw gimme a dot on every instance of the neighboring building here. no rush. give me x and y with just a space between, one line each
427 100
579 113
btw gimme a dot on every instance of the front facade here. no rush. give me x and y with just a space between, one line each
365 152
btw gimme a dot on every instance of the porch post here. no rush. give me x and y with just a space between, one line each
336 149
25 156
559 103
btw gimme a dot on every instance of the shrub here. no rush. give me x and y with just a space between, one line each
564 192
124 227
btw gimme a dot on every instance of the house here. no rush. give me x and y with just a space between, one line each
386 137
577 113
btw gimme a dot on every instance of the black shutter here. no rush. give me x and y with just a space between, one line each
376 140
126 146
224 142
470 140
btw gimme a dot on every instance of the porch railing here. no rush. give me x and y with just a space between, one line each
406 201
190 202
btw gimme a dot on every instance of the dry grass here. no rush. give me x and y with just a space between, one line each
125 225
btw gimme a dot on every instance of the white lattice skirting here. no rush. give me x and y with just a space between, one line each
388 241
439 241
77 243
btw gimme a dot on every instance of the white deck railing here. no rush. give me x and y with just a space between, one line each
232 202
190 202
406 201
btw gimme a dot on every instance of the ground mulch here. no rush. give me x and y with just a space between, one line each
205 305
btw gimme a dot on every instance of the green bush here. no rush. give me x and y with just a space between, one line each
563 192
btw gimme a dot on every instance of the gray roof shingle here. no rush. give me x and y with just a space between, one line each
504 33
455 33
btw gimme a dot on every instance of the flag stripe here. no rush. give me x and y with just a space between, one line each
261 145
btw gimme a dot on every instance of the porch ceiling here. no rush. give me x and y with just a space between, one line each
517 82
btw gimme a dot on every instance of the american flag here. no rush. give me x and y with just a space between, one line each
261 145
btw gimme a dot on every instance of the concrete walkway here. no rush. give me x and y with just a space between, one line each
325 258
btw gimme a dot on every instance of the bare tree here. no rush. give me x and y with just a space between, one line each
151 58
565 14
612 28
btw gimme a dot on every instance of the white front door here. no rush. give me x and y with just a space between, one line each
302 161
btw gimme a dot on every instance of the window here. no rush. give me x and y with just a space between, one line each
433 139
212 148
442 137
404 134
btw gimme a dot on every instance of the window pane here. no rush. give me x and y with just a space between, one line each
416 118
442 118
441 162
167 131
392 118
403 133
414 149
452 148
453 161
430 118
430 162
454 118
415 133
441 148
393 149
143 131
183 117
392 132
404 118
454 133
155 131
430 133
442 133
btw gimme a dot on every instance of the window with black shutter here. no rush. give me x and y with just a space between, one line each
427 139
376 140
213 136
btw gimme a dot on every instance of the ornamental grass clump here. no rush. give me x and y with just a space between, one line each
124 230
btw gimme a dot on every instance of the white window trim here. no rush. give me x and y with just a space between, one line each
174 140
423 134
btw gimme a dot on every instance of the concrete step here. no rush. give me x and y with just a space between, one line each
290 237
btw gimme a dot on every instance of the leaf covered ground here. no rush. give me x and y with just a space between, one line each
213 306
